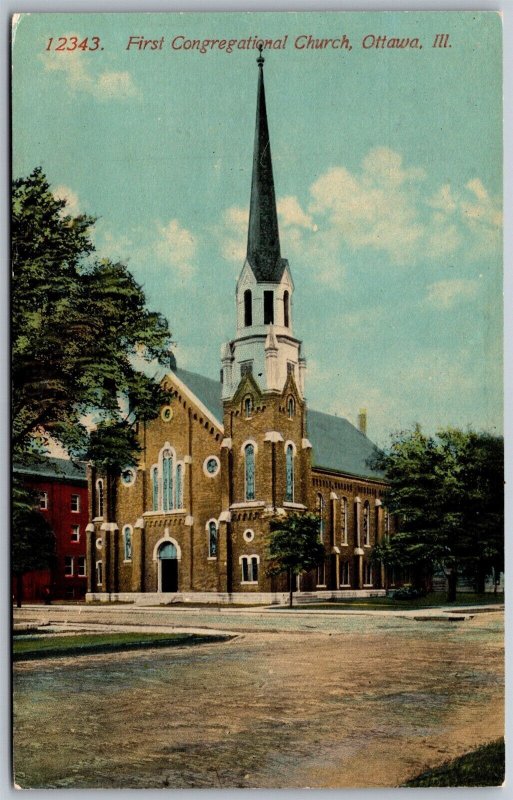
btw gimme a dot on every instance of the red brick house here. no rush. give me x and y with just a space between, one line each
191 521
62 489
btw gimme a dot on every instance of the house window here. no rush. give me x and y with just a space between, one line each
127 543
68 566
344 574
320 512
289 466
249 565
248 406
248 308
366 522
75 533
82 568
212 539
286 309
75 503
291 407
249 459
99 573
268 307
155 487
99 498
43 501
343 520
367 574
167 482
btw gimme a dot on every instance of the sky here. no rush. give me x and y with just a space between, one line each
388 174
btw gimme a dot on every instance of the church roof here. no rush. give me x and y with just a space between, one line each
263 251
336 444
49 467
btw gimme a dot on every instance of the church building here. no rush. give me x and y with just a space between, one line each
191 522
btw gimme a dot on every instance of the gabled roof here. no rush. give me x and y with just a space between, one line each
56 468
336 444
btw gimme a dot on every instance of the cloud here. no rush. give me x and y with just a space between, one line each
447 293
176 246
291 214
375 208
108 85
72 202
233 233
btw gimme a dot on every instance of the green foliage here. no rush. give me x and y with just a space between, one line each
482 767
448 494
78 327
32 539
294 544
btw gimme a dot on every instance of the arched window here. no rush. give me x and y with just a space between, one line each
248 308
155 488
212 539
289 465
291 407
268 307
366 522
248 406
320 511
167 480
249 459
179 486
344 574
99 498
343 520
127 543
286 309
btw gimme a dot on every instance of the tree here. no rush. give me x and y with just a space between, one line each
32 539
79 326
294 546
448 493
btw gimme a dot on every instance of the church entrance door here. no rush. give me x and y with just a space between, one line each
168 568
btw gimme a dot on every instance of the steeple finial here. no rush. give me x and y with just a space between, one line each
263 237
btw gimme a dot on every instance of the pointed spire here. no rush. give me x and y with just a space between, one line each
263 236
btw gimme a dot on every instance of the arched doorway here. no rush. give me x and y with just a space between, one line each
168 567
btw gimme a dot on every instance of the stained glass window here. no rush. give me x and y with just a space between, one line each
179 487
343 520
127 541
250 471
289 491
167 482
155 487
212 540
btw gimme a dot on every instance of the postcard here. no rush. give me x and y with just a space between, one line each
257 519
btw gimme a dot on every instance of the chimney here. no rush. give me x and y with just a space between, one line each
362 421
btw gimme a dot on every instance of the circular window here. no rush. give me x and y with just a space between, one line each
99 543
128 476
167 413
211 466
248 536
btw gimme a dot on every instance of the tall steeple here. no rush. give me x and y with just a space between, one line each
264 345
263 251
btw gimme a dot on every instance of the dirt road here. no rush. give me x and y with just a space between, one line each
348 702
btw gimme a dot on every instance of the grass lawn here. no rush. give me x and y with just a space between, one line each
31 646
481 767
433 600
